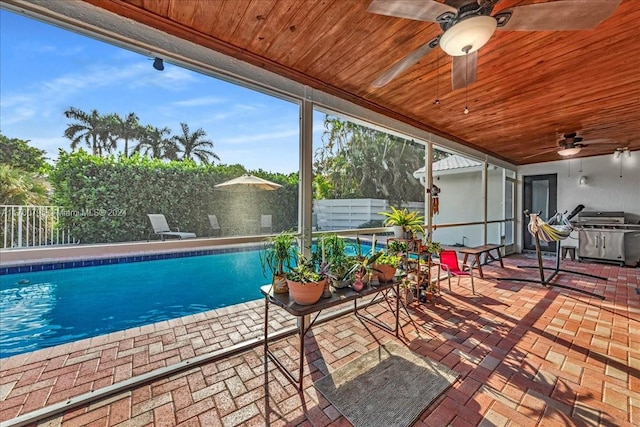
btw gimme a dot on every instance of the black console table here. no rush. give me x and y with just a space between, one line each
303 313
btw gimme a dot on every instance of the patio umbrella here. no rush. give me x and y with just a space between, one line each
247 183
241 203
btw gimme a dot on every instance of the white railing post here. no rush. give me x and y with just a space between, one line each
20 226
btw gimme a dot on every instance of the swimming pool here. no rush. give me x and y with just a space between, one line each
47 308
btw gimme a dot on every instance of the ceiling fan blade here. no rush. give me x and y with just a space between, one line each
425 10
463 70
406 62
458 3
563 15
602 141
540 153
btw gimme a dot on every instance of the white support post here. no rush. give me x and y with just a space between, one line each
305 204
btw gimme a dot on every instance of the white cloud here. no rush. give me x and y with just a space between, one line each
199 102
261 137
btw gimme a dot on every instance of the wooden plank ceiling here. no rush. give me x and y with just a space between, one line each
531 87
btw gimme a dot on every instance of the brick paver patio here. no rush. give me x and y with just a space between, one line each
526 355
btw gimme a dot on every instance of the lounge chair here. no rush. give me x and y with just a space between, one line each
215 225
161 228
266 224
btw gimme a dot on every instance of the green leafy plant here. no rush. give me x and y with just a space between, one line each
364 263
396 247
433 248
338 263
389 259
410 221
276 254
304 271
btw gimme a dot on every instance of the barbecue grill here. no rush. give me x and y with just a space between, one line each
605 236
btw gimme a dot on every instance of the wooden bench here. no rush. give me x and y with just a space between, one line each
478 251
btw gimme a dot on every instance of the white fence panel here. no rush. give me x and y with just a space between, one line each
344 214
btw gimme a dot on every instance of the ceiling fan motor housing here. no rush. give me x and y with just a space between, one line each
570 139
449 19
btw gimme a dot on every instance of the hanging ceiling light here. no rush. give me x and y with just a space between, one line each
571 151
468 35
158 64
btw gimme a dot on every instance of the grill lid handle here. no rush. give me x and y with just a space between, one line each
576 211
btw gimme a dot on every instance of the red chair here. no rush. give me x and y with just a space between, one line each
449 263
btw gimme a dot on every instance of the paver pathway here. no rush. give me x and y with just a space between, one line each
527 355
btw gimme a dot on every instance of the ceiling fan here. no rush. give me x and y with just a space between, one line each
570 145
468 25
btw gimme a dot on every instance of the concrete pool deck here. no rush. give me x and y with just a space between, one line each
527 355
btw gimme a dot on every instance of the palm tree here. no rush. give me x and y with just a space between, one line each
127 128
18 187
89 128
191 145
94 129
153 142
107 134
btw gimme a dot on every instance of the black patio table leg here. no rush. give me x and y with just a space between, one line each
374 320
302 332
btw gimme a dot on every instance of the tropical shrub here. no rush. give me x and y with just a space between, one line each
107 199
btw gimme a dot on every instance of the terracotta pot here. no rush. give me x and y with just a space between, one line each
280 285
384 272
306 293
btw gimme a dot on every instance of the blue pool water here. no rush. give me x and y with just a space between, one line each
47 308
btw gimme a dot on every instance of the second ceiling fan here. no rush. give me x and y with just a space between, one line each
468 25
570 144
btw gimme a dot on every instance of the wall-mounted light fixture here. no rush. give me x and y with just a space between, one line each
620 151
158 64
583 181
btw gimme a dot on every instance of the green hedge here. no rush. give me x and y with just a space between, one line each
107 199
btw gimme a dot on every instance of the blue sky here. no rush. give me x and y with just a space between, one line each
45 70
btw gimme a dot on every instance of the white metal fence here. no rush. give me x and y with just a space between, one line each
28 226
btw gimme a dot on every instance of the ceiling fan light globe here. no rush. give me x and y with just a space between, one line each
569 151
474 31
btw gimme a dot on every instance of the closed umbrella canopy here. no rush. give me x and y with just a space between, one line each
247 183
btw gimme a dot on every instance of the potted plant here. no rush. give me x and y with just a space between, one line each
396 247
305 283
363 264
405 222
432 248
275 259
338 263
407 288
340 271
386 265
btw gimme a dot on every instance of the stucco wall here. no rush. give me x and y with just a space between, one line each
609 187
